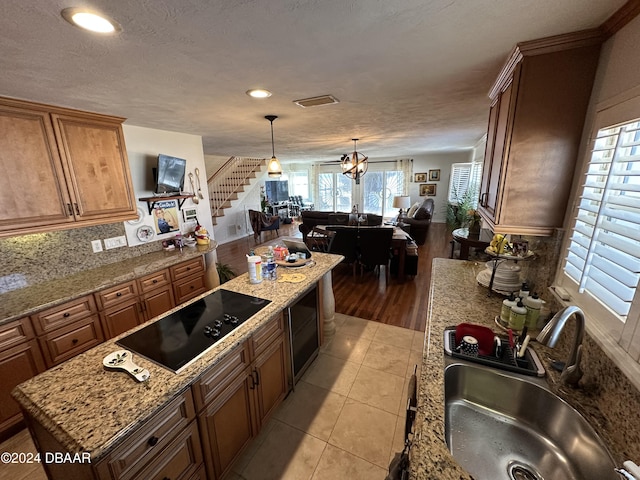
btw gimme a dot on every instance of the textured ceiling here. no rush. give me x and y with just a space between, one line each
412 76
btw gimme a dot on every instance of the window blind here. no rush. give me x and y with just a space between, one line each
603 256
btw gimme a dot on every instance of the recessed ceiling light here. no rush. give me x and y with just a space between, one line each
259 93
89 20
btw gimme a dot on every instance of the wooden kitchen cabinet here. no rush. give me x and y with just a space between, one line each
20 359
188 279
120 308
73 164
156 293
539 103
68 329
237 395
146 445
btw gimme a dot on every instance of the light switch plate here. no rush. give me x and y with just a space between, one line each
96 245
115 242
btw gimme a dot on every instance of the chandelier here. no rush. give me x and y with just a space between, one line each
356 166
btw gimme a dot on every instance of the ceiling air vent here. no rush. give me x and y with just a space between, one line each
317 101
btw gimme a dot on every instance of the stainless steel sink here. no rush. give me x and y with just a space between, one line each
506 426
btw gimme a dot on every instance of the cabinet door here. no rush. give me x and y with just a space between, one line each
189 288
119 319
271 383
17 364
95 159
36 194
158 301
227 426
500 144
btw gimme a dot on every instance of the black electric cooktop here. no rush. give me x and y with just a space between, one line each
181 337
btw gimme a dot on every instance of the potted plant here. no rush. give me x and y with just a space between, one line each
462 213
225 272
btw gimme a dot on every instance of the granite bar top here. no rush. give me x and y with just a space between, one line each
25 301
90 409
456 297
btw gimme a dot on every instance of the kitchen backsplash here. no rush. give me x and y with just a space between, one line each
31 259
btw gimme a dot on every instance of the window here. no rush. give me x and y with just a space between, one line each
379 189
602 264
299 184
465 180
334 192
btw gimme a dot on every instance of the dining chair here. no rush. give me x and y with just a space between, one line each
374 249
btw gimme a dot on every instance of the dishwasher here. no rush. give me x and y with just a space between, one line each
304 340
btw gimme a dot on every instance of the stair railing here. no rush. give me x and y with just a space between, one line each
228 179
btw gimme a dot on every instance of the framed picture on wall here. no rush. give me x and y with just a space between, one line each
419 177
428 189
434 175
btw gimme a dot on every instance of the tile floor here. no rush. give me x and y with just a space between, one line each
345 418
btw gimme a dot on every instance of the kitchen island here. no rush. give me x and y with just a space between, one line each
79 406
604 398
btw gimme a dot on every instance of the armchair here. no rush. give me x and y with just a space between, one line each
261 222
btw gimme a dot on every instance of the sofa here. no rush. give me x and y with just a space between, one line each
313 218
417 221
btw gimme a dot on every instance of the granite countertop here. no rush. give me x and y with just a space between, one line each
25 301
88 408
456 297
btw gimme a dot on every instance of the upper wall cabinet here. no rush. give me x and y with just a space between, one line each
62 169
539 103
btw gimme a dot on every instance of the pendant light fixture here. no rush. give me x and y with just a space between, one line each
356 166
274 169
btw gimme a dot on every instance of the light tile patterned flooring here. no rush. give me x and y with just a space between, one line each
345 418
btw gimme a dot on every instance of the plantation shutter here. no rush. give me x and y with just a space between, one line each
604 251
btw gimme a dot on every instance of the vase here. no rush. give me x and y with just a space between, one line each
474 229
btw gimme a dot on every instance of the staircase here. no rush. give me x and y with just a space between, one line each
229 180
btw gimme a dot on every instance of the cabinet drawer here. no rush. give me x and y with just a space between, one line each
179 461
188 289
16 332
70 340
188 268
154 280
221 375
267 334
56 317
114 295
150 439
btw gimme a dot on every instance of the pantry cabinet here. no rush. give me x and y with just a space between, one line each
538 107
67 168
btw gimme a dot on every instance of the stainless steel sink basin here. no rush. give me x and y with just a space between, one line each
503 426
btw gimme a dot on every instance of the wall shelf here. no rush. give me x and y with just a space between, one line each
151 201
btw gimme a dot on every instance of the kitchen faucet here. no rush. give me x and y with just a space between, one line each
549 335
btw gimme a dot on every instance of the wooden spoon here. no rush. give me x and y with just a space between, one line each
193 189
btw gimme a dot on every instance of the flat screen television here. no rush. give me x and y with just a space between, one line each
277 190
170 174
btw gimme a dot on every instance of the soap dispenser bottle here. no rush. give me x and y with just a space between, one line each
505 311
518 316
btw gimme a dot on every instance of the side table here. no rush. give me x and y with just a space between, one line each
461 236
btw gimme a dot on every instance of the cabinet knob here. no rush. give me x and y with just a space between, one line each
154 281
152 441
119 294
74 341
77 208
66 314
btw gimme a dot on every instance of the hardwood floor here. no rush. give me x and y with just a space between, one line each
403 304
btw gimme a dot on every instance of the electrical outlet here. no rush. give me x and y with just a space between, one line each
96 245
115 242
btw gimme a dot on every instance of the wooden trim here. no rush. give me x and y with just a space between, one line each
620 18
16 102
541 46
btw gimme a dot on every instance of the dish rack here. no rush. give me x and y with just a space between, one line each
528 365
